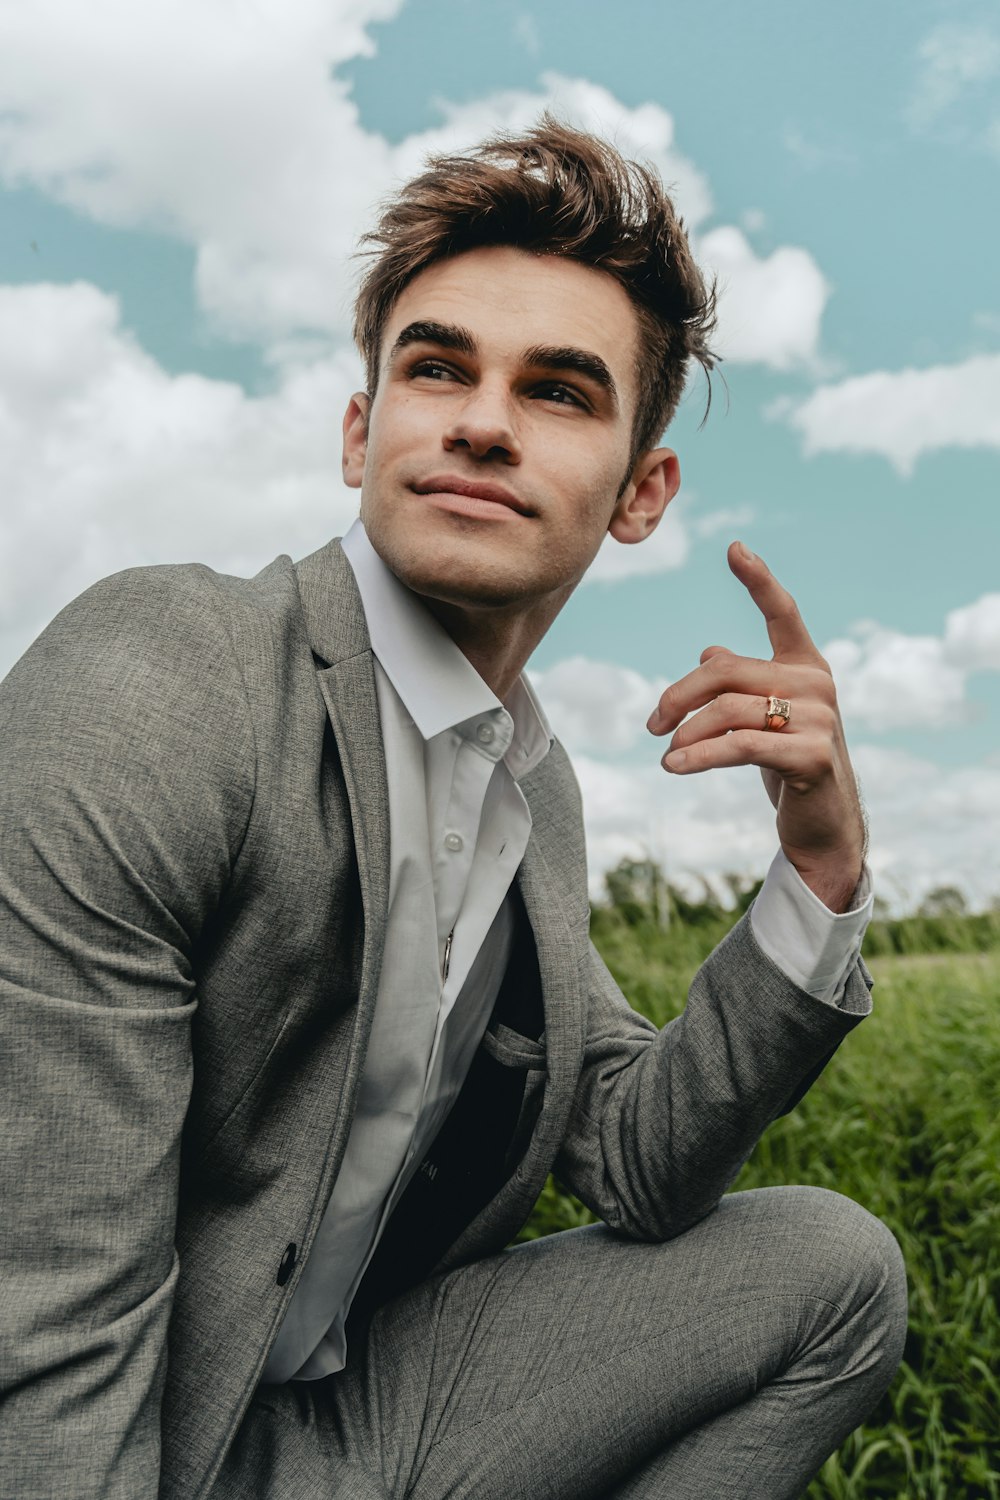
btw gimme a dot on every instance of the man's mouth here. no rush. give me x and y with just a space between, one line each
452 486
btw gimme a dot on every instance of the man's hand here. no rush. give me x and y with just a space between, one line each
805 765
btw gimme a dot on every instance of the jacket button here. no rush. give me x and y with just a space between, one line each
287 1265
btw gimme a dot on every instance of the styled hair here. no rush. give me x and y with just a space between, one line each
553 191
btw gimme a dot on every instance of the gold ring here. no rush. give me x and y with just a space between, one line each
779 711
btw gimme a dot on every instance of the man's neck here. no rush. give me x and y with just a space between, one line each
496 642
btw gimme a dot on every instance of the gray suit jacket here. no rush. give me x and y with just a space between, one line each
193 885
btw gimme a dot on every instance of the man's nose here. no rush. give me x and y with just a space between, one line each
485 425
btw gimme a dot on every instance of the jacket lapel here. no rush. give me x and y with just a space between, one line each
558 950
338 636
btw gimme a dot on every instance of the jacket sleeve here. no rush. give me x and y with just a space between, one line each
663 1121
126 780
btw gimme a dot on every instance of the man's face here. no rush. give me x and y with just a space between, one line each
500 432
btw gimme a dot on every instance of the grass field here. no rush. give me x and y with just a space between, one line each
906 1120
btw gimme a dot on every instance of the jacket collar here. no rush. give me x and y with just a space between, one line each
354 603
437 685
331 604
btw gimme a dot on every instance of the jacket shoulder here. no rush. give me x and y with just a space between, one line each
144 627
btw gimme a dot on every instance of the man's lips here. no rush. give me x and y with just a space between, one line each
472 489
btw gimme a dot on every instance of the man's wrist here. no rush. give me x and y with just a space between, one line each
836 885
815 946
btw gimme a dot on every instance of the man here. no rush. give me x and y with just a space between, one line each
299 1004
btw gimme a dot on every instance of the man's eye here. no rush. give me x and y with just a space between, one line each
562 394
432 369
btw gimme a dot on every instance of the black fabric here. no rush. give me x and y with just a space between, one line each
468 1161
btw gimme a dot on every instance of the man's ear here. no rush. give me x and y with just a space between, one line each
654 482
356 439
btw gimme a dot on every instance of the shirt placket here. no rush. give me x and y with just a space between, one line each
481 744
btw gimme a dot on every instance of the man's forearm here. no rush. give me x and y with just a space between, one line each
663 1122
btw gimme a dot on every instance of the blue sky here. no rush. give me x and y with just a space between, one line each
180 188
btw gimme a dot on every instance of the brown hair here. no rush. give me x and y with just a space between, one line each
557 191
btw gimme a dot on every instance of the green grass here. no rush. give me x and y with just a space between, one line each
906 1120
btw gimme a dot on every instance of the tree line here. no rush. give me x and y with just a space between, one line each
641 898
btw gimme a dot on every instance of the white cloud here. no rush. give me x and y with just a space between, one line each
770 308
596 705
972 635
813 154
222 125
889 680
665 549
987 321
110 462
668 547
722 520
709 825
229 129
931 826
526 34
953 58
904 414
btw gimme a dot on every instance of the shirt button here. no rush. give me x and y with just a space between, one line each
486 734
453 841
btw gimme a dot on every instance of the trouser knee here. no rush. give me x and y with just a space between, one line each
864 1270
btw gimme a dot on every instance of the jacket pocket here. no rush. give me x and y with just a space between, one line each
512 1050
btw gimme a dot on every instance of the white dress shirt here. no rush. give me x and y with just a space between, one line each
459 826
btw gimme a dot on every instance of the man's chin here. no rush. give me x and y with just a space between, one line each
459 573
465 589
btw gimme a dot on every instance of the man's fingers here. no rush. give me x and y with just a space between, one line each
726 673
794 757
790 640
732 711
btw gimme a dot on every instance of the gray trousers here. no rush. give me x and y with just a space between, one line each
729 1361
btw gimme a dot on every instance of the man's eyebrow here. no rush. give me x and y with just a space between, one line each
445 335
547 356
579 361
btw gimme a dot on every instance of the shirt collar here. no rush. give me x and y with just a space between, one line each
437 685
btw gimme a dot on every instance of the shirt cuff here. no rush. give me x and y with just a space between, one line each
815 947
